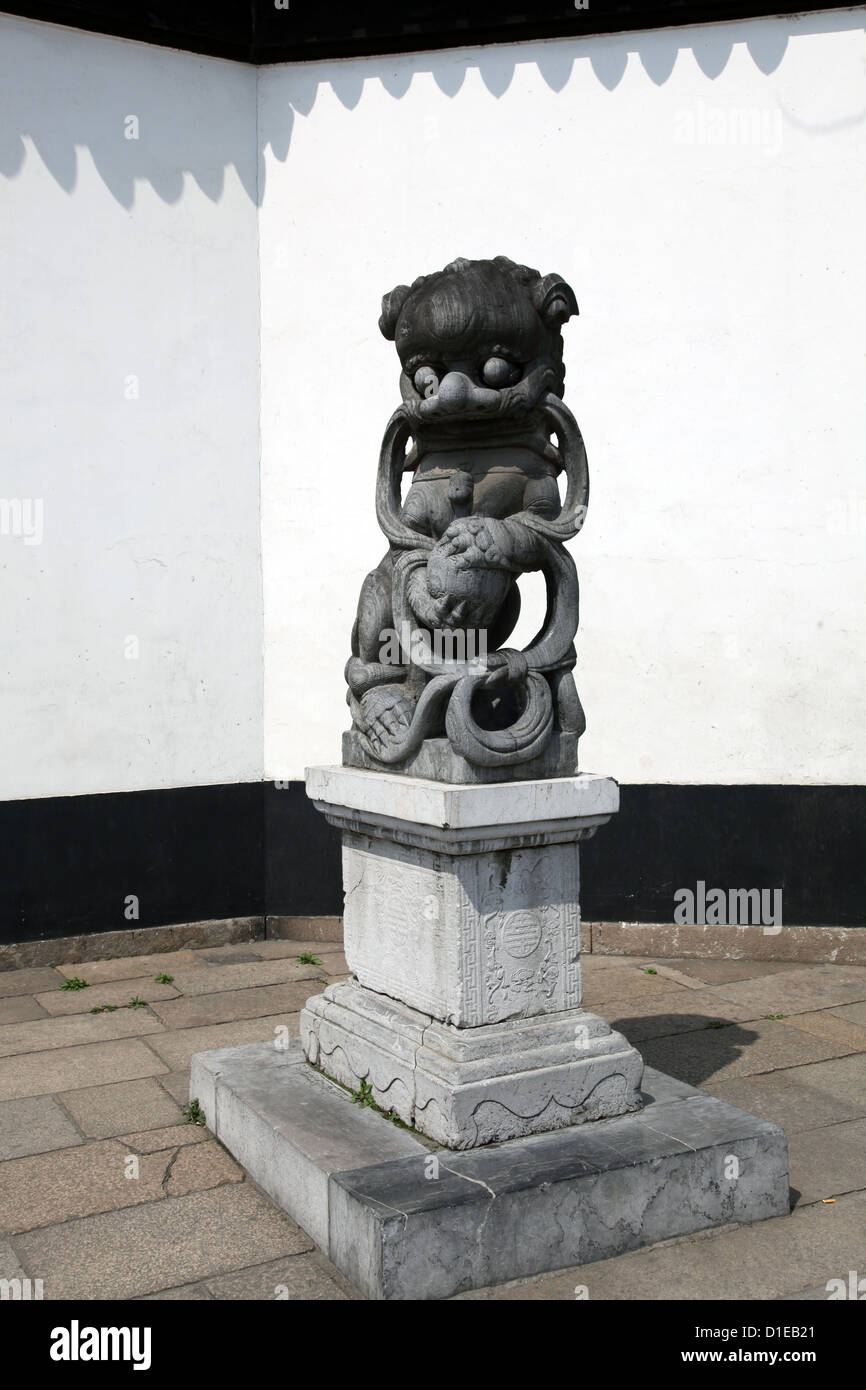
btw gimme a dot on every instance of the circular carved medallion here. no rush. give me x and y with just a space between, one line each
521 934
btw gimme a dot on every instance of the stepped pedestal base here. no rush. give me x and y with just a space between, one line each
403 1219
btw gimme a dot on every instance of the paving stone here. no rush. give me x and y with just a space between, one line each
67 1069
721 972
850 1036
118 992
269 949
665 1015
177 1085
813 1295
798 1098
760 1261
799 991
102 1112
176 1048
591 963
217 959
246 975
20 1008
10 1268
300 1277
200 1167
46 1033
235 950
148 1141
740 1050
47 1188
290 950
827 1162
128 967
185 1294
855 1013
234 1004
122 1254
627 983
34 1125
28 981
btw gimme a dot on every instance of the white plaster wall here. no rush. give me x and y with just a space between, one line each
703 190
123 258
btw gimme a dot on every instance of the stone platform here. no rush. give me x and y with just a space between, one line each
404 1219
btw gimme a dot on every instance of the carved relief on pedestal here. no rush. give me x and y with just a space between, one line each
396 923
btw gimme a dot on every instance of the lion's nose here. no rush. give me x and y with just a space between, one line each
454 391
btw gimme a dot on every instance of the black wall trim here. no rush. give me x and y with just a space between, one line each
68 864
257 31
808 841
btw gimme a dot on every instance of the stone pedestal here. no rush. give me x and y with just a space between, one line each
462 930
463 1021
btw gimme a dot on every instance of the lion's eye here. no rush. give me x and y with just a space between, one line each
497 372
426 381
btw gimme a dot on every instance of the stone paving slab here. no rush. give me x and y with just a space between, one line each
855 1013
721 972
10 1267
176 1083
102 1112
46 1188
193 1170
850 1037
29 981
625 984
34 1125
245 975
127 967
798 1098
148 1141
799 991
185 1294
828 1162
71 1068
234 1004
20 1008
665 1015
230 951
61 1002
301 1277
740 1050
122 1254
19 1038
176 1048
330 954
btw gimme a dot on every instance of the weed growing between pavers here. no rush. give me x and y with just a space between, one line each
193 1114
163 979
74 983
307 958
